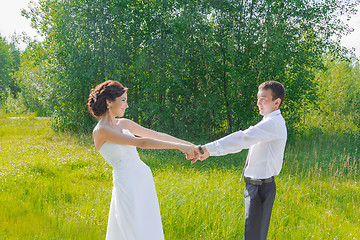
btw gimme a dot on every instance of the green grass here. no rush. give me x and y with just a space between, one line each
58 187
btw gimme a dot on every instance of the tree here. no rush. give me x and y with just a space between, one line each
192 68
33 78
9 63
337 108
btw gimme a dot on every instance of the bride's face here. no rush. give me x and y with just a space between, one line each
119 106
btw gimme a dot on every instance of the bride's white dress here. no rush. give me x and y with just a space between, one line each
134 210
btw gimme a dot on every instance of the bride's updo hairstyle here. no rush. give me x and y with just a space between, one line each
109 90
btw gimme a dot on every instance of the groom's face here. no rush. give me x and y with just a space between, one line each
266 103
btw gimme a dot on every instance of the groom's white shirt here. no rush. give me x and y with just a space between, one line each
266 143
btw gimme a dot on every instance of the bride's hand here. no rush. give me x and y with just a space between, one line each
190 151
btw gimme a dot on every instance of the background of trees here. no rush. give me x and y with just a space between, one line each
9 64
192 67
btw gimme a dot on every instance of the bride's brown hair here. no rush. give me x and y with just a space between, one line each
109 90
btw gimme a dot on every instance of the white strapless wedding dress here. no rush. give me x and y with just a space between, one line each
134 210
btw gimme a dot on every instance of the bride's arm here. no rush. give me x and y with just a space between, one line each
105 134
138 130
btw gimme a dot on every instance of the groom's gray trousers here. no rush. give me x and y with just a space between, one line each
259 200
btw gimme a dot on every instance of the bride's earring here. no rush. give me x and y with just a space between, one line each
108 107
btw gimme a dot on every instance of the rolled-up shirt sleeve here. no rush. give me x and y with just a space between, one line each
237 141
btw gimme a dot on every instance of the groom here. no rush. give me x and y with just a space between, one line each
266 143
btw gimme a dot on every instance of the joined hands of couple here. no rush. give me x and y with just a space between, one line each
195 153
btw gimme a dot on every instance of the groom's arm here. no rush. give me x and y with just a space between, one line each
228 144
231 143
237 141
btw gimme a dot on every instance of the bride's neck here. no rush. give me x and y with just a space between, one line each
108 119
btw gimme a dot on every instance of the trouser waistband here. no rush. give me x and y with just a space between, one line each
259 181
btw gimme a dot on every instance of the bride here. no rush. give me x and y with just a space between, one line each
134 209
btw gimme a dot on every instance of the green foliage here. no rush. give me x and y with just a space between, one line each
12 105
9 63
337 108
33 77
192 68
5 66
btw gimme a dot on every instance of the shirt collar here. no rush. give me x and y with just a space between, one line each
274 113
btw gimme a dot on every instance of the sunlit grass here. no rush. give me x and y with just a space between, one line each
58 187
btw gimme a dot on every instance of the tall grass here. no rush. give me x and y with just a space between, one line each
58 187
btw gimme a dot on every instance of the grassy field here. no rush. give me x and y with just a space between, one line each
58 187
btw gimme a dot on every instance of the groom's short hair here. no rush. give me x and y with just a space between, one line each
277 89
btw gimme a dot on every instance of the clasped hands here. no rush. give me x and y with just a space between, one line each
193 152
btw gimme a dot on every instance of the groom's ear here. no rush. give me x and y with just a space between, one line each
277 102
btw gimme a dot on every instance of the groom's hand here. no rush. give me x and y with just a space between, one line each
193 154
201 157
205 155
197 154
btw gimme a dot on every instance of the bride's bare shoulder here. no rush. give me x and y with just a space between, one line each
123 120
125 123
99 128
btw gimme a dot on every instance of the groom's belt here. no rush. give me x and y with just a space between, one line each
258 181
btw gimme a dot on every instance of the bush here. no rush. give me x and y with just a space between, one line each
12 105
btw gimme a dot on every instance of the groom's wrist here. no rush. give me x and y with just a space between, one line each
210 149
201 149
205 149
